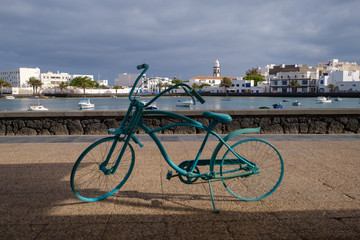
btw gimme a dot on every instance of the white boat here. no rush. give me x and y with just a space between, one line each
37 107
184 103
323 100
9 97
297 103
85 104
338 99
151 106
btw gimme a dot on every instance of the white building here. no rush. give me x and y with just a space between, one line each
264 71
247 86
239 86
306 81
103 82
199 80
18 77
128 79
52 80
343 81
152 84
335 64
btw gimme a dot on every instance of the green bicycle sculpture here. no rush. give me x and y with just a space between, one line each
250 169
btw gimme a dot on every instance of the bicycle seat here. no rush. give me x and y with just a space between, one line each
219 117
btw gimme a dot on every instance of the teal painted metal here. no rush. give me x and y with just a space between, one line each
99 176
269 176
226 138
188 172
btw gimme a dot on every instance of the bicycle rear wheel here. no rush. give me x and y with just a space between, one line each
264 181
89 182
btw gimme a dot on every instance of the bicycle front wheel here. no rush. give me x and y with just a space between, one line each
252 186
89 182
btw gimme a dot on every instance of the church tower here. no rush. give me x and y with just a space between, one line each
216 68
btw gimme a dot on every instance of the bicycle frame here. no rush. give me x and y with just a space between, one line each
192 123
133 118
231 166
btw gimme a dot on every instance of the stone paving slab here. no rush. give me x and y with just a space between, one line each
318 198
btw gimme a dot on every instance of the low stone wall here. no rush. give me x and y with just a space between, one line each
272 121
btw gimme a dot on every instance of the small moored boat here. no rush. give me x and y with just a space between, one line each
277 106
9 97
85 104
151 106
37 107
323 100
297 103
184 103
338 99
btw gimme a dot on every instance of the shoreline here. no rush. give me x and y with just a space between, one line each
205 94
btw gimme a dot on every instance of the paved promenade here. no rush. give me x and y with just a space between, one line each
319 197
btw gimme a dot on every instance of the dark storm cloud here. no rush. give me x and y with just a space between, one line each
181 38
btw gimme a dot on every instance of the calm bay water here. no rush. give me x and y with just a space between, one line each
169 103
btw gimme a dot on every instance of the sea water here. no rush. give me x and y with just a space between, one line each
169 103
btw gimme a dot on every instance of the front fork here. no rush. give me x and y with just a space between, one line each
102 166
112 170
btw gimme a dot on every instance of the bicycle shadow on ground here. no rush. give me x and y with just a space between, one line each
36 202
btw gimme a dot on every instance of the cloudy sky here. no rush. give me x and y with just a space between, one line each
176 38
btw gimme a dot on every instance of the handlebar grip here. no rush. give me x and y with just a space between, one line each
198 96
141 66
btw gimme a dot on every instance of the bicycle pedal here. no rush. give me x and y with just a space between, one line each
169 175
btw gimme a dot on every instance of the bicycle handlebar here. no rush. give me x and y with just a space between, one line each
141 66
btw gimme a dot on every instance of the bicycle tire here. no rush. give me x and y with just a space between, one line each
91 184
263 182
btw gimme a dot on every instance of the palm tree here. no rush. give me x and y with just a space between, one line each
167 85
160 85
332 87
84 83
294 85
63 85
226 82
3 84
176 81
116 87
204 85
252 72
195 86
34 83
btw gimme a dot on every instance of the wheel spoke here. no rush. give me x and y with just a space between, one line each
89 182
261 184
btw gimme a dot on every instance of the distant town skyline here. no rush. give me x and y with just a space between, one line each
180 39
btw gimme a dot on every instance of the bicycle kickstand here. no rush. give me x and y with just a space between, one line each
212 197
